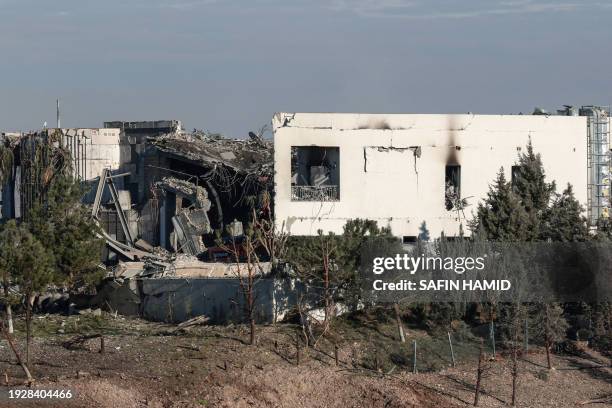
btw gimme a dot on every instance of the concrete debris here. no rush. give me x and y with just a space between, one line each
189 234
196 194
122 297
144 245
127 270
192 222
196 321
242 156
317 315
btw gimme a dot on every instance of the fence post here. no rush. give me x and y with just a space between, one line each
492 335
414 360
450 343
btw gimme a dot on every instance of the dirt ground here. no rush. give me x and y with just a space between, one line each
146 365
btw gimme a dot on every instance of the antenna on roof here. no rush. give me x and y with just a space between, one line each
59 123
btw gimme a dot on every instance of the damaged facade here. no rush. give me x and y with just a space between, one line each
424 172
162 197
166 198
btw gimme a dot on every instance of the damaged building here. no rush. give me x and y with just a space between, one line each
89 151
415 173
163 197
172 190
166 198
182 190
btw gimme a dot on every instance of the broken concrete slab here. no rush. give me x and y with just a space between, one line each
186 189
242 156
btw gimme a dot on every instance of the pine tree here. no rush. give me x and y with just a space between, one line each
30 266
529 181
501 217
564 221
529 184
64 226
8 236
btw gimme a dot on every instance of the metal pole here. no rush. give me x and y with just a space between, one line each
450 343
414 360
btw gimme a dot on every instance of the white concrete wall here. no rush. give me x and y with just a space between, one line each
102 149
399 190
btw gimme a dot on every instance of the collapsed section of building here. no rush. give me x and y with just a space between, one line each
158 193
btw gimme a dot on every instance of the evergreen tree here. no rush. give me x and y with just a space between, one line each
529 184
529 181
564 221
604 230
65 227
501 217
30 266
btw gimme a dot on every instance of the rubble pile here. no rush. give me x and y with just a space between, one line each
252 156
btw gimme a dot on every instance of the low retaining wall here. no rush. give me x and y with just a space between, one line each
221 299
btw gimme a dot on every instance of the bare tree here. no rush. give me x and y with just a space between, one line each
479 373
247 269
271 238
512 323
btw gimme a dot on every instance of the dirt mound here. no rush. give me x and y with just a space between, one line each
103 393
298 387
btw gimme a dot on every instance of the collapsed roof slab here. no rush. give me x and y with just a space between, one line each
242 156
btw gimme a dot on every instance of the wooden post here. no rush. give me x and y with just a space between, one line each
297 351
336 353
450 343
101 344
414 360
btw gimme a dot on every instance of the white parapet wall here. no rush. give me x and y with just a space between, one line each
392 168
93 148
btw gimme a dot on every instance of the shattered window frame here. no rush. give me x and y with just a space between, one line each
321 163
452 186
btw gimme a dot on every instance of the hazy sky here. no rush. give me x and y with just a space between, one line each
228 65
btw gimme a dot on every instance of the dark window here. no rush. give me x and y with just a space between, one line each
409 239
315 173
452 186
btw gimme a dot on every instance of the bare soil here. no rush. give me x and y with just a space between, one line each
144 365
